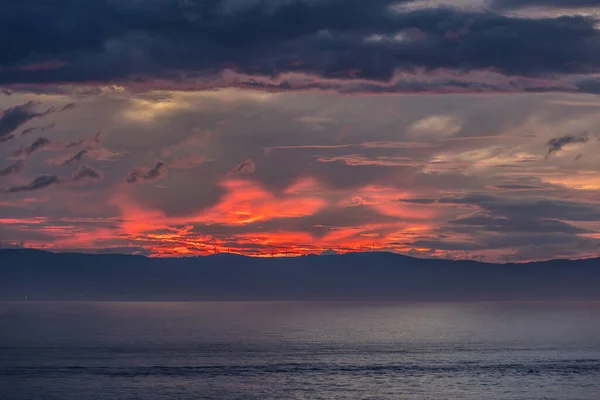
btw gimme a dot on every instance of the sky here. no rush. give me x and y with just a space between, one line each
433 128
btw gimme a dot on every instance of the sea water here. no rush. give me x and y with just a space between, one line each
250 350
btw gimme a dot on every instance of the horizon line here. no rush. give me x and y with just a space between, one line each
294 256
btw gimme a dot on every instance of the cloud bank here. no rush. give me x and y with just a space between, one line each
323 44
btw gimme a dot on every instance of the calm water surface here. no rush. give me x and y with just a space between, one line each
299 351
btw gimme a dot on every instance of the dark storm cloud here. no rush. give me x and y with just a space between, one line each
14 117
140 174
40 182
589 86
555 145
13 168
98 40
38 144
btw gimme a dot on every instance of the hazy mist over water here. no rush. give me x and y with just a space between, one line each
248 350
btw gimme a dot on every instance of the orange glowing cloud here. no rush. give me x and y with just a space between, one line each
246 203
244 206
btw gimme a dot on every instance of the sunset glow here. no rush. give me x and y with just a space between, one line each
384 126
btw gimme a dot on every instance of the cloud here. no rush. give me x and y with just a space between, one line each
360 160
418 201
141 174
160 169
67 107
144 44
518 186
528 208
516 4
89 152
435 126
13 168
37 129
75 158
42 142
93 141
521 225
245 167
85 173
38 144
44 181
556 145
14 117
40 182
415 81
187 162
101 154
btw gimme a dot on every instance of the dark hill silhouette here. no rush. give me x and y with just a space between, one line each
40 275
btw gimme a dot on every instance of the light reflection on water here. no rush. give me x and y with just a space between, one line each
299 350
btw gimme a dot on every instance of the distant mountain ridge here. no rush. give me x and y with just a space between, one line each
27 274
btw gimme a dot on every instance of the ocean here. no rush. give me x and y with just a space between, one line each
255 350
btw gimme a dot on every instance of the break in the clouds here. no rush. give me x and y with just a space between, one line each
345 45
